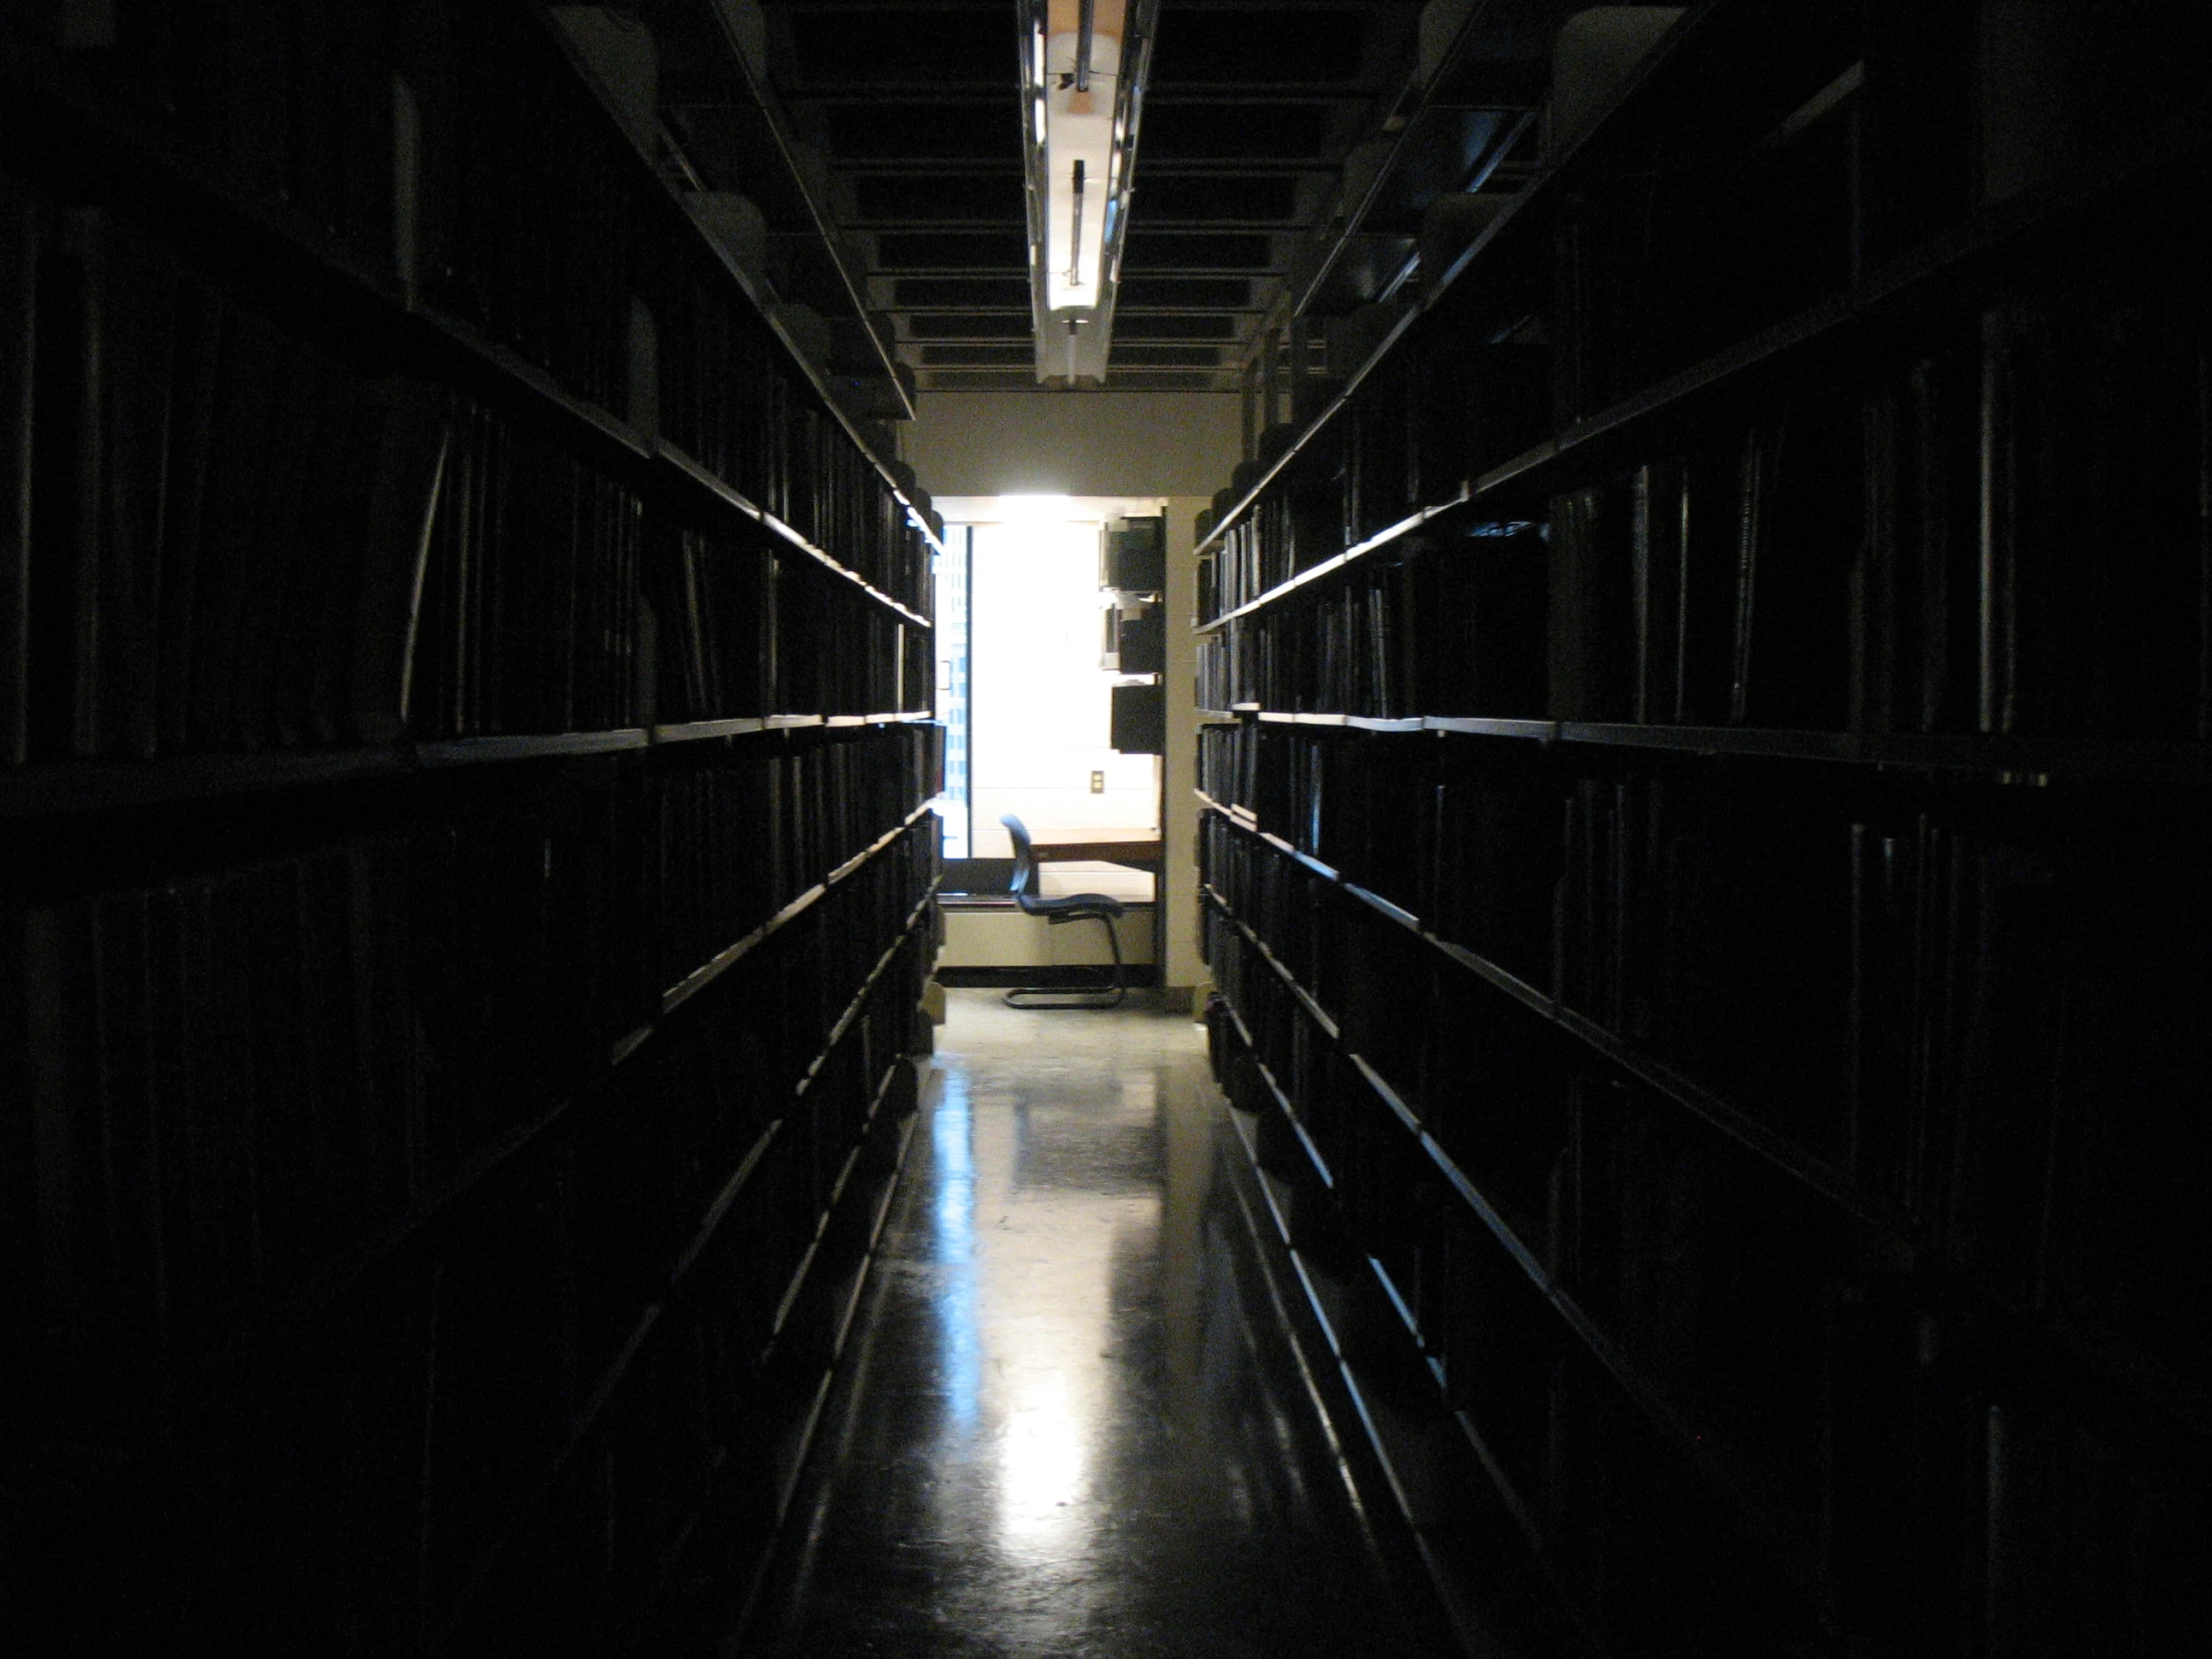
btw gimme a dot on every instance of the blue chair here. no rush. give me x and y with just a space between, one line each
1079 906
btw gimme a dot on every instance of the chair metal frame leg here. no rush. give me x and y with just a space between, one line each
1109 995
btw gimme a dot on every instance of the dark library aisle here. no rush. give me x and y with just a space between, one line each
1072 1423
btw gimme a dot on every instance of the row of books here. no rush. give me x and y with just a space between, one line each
227 537
1969 1010
400 1467
455 152
2005 536
693 1433
534 586
528 618
749 629
1587 1472
841 654
1722 223
1912 1480
216 539
1448 621
567 251
232 1079
737 836
1412 436
1463 832
1978 1010
1921 967
731 404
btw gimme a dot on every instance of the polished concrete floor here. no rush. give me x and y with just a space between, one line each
1071 1422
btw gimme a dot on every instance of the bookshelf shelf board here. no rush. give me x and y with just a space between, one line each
837 1035
721 497
795 1287
1664 1078
1237 815
610 1378
71 786
1319 1015
877 846
723 1202
422 1217
1216 717
1392 913
2082 1346
738 75
1479 725
828 562
698 730
412 1226
1515 218
1289 851
1520 991
852 1009
1997 757
1335 563
844 1296
465 353
654 468
1407 1321
1539 731
1717 739
1947 271
48 787
1390 337
1719 1473
1390 1415
623 1048
1282 1099
728 957
461 752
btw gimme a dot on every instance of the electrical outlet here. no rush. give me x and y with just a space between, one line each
1098 783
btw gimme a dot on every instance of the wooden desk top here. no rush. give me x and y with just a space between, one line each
1141 847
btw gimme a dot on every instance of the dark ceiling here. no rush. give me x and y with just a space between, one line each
1244 209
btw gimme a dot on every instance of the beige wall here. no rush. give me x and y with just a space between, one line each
1074 442
1007 938
1182 970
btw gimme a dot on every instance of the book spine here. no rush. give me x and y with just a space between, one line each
22 224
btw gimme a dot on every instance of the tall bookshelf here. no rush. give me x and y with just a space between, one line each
1705 801
463 761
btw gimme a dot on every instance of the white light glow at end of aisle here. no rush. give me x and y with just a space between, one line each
1035 509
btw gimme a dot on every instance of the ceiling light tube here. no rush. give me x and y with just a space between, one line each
1082 116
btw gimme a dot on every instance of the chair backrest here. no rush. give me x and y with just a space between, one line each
1024 885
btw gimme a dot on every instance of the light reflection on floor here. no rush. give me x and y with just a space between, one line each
1071 1427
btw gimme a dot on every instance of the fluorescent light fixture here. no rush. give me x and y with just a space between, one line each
1084 64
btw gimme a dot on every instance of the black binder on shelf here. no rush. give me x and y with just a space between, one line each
1136 556
1139 720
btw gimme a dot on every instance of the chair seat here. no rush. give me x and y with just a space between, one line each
1074 906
